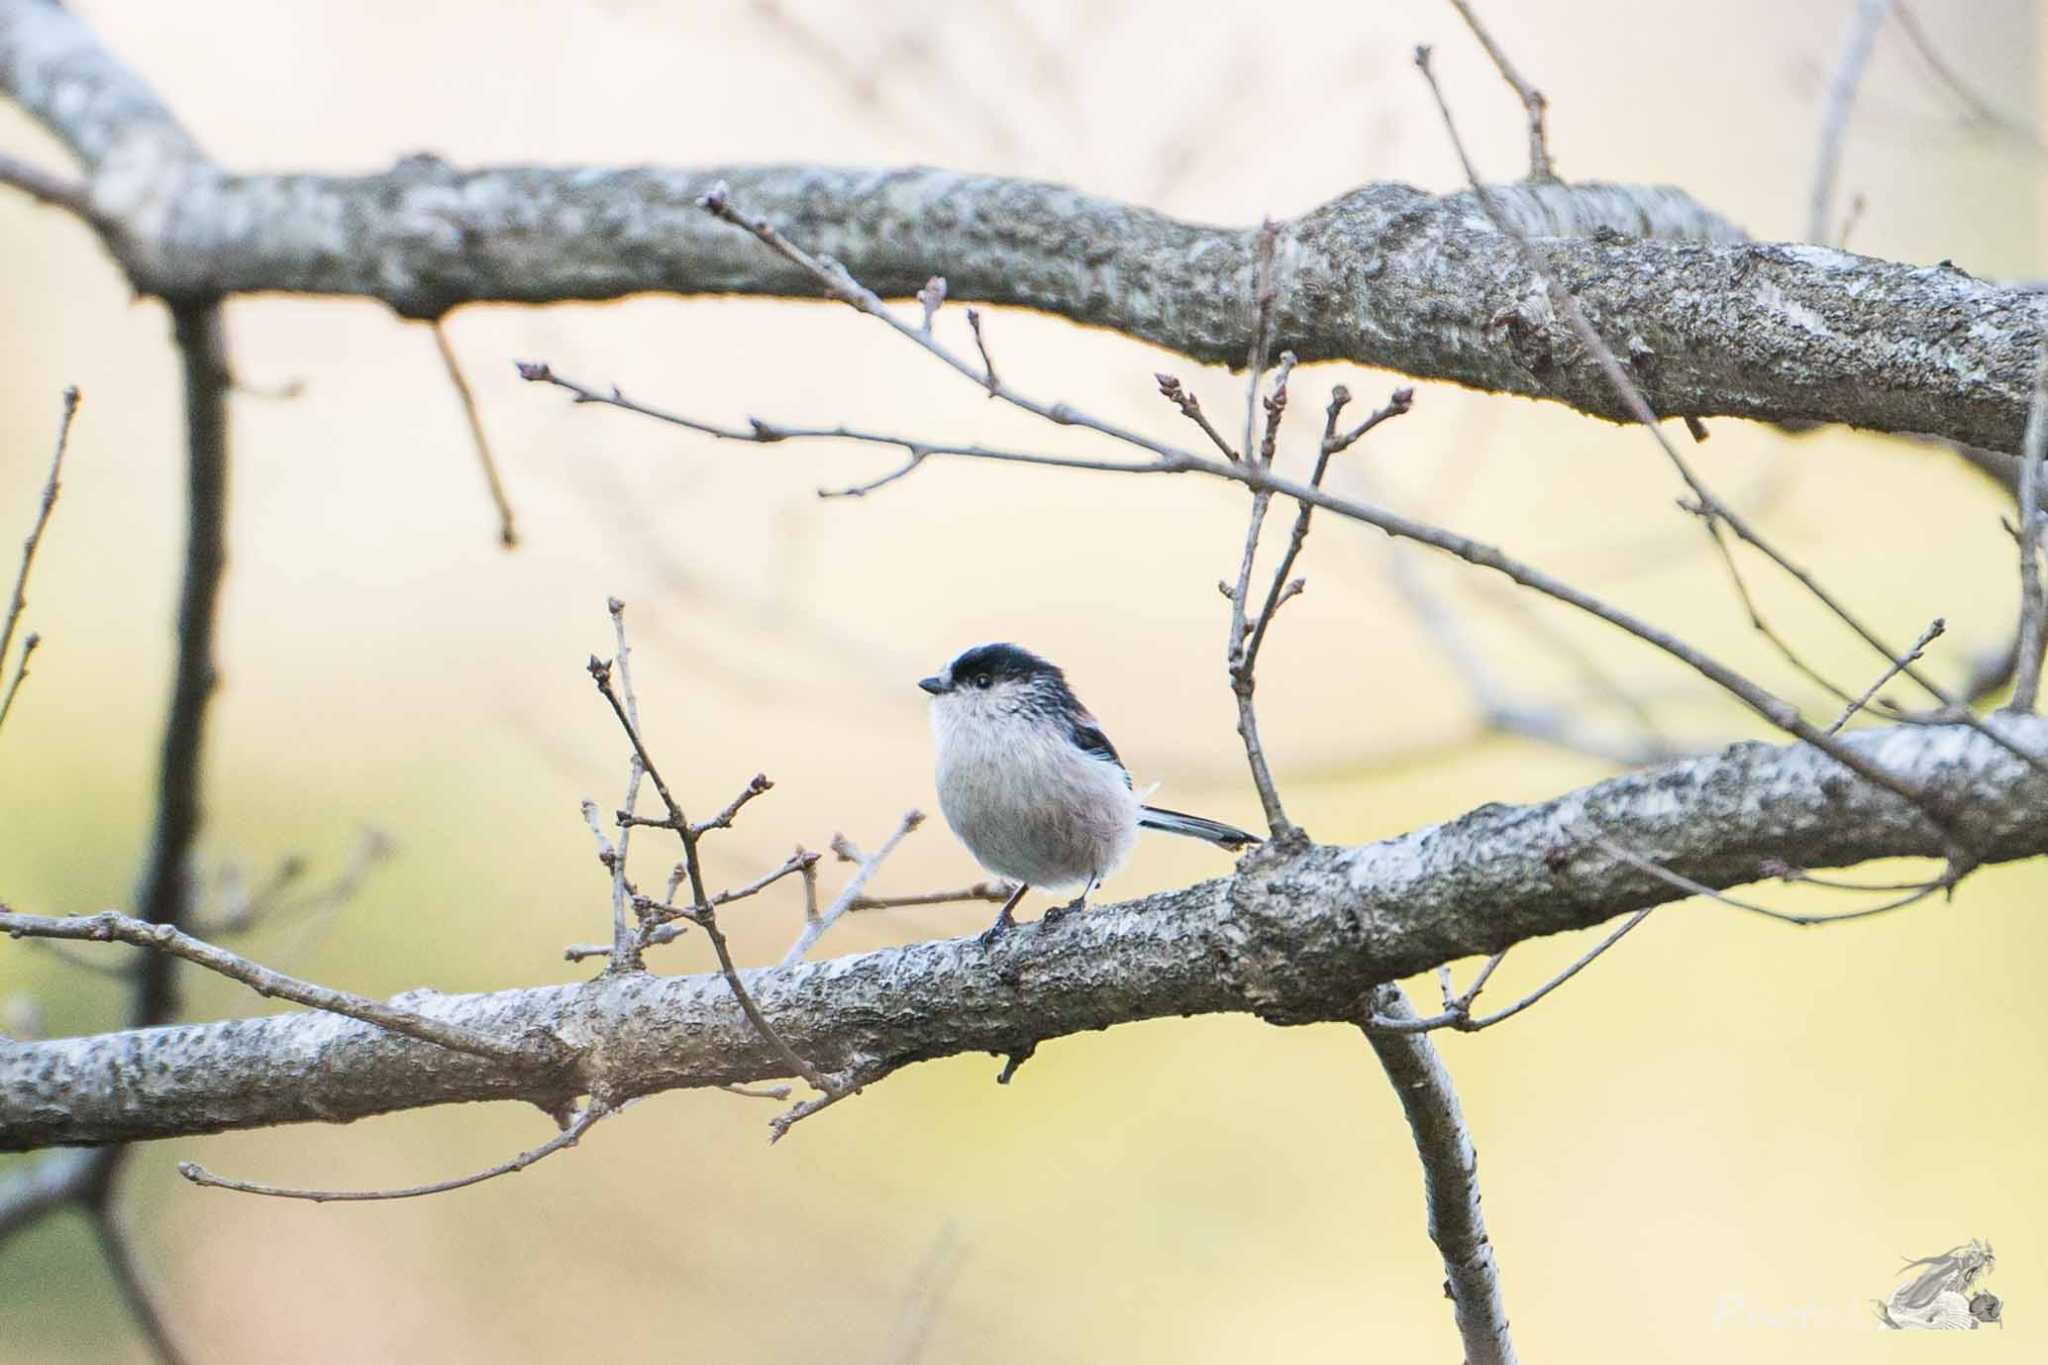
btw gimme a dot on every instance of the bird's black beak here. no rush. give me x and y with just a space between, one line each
933 685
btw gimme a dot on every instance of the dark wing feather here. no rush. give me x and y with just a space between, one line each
1090 740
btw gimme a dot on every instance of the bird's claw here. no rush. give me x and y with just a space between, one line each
1059 912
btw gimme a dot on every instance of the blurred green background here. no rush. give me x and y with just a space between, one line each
1717 1144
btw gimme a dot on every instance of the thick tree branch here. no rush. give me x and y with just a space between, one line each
1386 275
1292 938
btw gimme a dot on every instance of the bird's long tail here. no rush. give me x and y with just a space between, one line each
1195 827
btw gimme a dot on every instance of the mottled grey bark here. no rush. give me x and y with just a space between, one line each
1386 275
1450 1180
1292 937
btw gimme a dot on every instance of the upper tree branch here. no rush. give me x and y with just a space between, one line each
1292 938
1386 275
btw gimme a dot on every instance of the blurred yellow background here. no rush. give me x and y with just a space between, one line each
1717 1144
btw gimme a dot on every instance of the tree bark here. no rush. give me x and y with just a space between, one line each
1293 937
1386 275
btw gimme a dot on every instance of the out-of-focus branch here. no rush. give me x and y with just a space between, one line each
1834 118
164 894
117 1244
1450 1178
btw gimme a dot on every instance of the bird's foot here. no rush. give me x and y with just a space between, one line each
1059 912
995 931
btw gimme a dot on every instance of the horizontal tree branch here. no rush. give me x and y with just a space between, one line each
1293 937
1386 275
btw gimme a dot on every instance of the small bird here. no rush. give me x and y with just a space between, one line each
1030 783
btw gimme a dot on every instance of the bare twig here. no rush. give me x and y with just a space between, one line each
757 1092
1532 99
48 187
988 365
1457 1013
1918 893
992 892
1899 665
1239 660
1631 396
18 602
29 644
111 926
1450 1178
586 1118
1834 119
702 911
625 954
1191 408
815 926
508 535
1333 443
2033 627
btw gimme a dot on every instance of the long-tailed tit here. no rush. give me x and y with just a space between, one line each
1030 783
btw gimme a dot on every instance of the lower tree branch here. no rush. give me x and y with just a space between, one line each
1293 937
1450 1178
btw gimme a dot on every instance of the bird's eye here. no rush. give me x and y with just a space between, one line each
983 680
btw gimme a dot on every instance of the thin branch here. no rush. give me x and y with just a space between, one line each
112 926
1686 884
29 644
768 433
702 913
1632 398
1191 408
2033 629
994 893
1927 637
988 364
48 187
1834 119
586 1118
815 926
508 535
1533 103
1333 443
758 784
117 1244
1457 1013
1450 1178
1238 659
18 602
625 953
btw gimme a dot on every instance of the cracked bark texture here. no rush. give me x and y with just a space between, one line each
1293 937
1386 275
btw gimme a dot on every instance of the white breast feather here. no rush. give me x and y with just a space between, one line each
1028 804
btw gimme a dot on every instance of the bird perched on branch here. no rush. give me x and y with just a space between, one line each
1030 783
